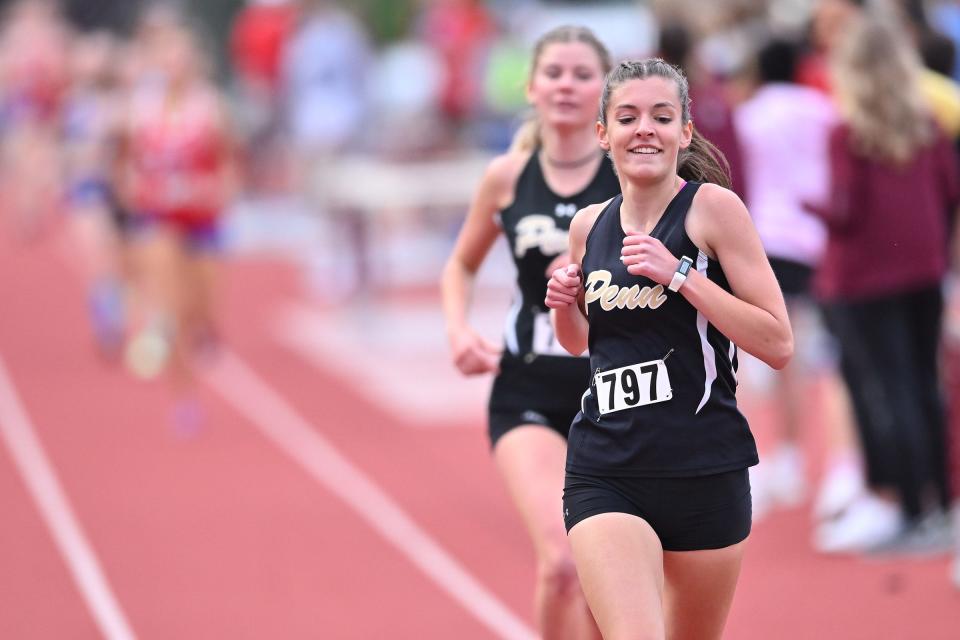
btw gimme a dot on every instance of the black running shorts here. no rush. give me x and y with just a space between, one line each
687 514
503 420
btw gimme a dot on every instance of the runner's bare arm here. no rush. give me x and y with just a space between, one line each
565 288
471 352
754 317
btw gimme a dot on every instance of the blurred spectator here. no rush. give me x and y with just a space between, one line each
783 129
828 22
404 88
833 18
461 32
946 16
881 277
35 69
938 55
942 95
325 69
629 28
938 52
257 40
712 115
34 75
324 76
89 130
104 15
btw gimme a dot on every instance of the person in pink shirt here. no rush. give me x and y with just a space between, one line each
783 129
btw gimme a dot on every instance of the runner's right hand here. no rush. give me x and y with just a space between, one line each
563 287
473 354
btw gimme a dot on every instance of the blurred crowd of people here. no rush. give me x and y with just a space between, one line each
840 120
129 140
844 134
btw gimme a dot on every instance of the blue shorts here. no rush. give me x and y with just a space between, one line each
197 238
90 192
687 514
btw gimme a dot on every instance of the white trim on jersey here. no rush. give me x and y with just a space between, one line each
510 330
709 355
733 356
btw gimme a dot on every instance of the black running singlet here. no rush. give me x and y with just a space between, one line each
536 226
535 369
662 398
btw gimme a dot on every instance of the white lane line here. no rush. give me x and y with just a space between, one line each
241 387
41 481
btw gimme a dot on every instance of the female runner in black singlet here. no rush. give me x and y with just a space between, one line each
657 496
530 194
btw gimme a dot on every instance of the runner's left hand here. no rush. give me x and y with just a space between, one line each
646 256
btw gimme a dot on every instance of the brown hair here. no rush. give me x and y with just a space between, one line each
701 160
527 136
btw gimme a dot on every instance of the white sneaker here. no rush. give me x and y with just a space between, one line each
929 536
786 476
842 484
867 523
147 354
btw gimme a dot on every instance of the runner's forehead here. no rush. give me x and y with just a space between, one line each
646 93
574 53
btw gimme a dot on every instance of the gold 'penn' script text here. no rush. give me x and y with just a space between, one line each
613 297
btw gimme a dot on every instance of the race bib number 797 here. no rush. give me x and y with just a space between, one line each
634 386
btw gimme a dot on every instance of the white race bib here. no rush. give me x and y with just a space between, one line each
634 386
544 338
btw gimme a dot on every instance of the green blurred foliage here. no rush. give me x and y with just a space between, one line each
213 20
506 78
386 20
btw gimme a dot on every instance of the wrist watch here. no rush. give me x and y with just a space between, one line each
681 275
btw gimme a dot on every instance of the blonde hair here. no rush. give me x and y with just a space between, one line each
876 82
527 136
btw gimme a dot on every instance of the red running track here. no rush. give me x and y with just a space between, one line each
301 509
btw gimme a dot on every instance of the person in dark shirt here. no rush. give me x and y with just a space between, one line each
675 280
529 195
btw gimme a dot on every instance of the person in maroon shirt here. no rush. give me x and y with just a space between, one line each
895 187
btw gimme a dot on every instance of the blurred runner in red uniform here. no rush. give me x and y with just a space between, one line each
176 175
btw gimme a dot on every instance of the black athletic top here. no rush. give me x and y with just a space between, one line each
698 430
536 372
